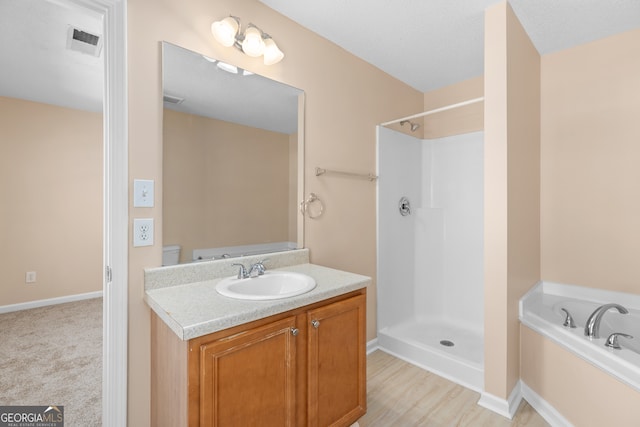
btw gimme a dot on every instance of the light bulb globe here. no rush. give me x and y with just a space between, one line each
272 55
253 45
225 31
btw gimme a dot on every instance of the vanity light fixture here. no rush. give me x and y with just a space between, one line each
233 69
252 41
227 67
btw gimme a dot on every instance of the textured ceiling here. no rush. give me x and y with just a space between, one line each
425 43
429 44
35 63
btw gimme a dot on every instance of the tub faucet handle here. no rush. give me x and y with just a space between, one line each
612 341
568 320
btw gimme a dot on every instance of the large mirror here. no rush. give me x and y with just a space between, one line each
232 160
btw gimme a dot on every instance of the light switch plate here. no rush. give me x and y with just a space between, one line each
143 193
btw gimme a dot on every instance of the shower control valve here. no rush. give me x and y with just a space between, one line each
404 206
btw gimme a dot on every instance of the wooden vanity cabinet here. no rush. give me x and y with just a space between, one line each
336 369
250 377
303 367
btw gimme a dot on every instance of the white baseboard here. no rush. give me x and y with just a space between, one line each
50 301
542 407
372 346
506 408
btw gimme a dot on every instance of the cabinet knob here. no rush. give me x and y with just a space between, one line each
315 323
294 331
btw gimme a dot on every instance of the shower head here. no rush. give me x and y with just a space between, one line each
414 126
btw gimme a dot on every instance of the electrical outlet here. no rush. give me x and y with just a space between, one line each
142 232
30 277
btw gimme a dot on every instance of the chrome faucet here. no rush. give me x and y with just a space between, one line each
612 341
257 269
592 328
242 272
568 320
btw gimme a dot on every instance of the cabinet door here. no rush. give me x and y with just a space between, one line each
248 379
337 363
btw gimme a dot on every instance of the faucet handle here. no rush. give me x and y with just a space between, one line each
258 268
612 341
242 272
260 264
568 320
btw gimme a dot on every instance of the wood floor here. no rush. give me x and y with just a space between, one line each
400 394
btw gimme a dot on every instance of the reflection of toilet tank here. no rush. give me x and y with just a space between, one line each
170 255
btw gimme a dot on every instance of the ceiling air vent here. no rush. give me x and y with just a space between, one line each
84 42
172 99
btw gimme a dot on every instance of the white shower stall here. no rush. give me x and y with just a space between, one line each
430 282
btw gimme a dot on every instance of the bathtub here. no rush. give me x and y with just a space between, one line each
240 251
541 310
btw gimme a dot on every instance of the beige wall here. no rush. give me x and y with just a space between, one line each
345 98
590 173
455 121
582 393
512 190
469 118
224 184
51 209
590 229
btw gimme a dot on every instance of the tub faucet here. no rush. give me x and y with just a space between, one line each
592 328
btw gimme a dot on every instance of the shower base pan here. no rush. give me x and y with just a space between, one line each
440 347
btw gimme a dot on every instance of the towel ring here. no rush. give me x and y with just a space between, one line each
304 206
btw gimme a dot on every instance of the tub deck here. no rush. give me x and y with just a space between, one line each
541 310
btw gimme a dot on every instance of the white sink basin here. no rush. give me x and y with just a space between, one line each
271 285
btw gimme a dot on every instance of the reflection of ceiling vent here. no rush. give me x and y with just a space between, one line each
84 42
172 99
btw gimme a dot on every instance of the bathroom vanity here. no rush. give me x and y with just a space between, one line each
219 361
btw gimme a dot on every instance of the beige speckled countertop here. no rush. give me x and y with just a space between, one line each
195 309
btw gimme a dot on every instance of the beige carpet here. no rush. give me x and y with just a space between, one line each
53 356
